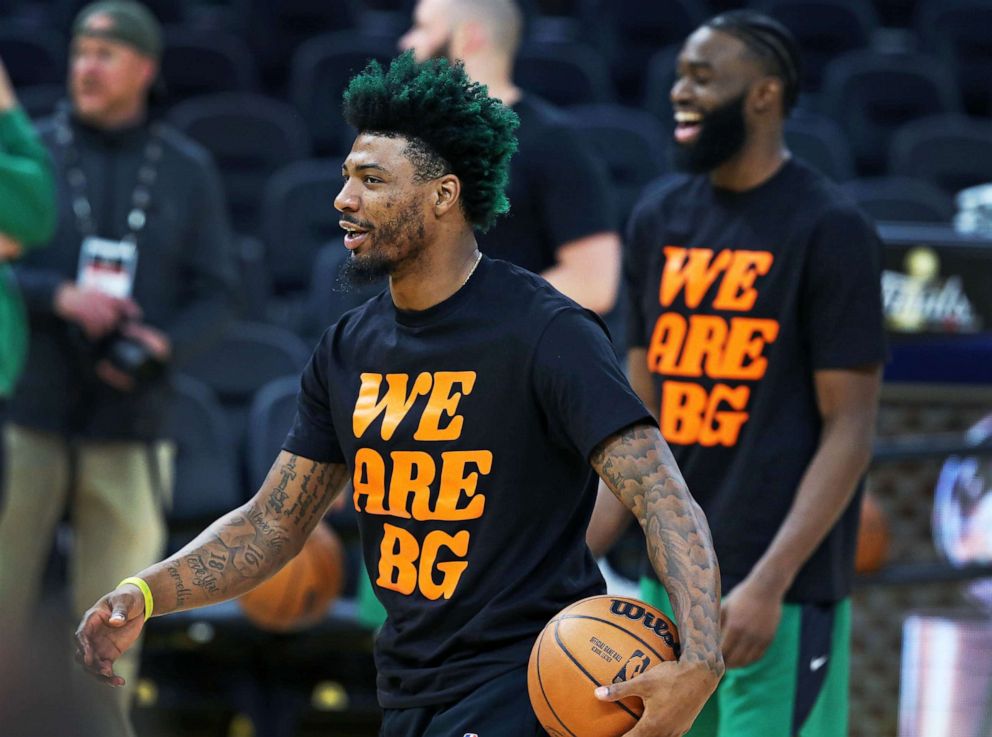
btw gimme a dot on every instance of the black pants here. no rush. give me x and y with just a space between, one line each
501 708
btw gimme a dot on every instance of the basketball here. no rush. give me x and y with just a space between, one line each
595 642
873 536
297 597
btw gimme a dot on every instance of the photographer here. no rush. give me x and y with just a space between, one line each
136 278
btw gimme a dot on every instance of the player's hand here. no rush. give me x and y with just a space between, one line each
10 249
749 618
673 694
107 630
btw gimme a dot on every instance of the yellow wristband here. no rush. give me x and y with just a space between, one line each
145 591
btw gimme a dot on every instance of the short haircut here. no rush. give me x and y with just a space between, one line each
502 18
450 122
771 42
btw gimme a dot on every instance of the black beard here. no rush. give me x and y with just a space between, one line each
722 136
366 270
377 263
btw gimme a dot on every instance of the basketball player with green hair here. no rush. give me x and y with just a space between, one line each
469 404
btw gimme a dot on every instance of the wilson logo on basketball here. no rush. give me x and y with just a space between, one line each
728 350
421 486
636 613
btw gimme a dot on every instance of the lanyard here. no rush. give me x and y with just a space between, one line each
140 197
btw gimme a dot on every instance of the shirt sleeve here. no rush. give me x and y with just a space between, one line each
27 189
573 189
842 299
312 434
579 383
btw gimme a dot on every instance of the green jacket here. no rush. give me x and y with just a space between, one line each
27 214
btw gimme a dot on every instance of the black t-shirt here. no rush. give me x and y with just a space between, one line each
558 191
467 428
738 298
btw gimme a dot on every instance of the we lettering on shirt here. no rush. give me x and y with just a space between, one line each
726 349
411 484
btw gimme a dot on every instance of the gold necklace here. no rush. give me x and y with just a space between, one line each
478 258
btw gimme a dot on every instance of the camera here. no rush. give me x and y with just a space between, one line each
131 357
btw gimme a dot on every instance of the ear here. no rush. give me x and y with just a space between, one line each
447 193
766 95
149 70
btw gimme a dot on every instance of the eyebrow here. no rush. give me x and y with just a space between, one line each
366 167
694 65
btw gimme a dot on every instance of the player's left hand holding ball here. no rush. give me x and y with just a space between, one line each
108 629
673 694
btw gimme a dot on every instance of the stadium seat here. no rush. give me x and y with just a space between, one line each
298 217
630 141
166 11
640 30
41 100
901 199
951 151
248 356
250 137
328 298
959 32
824 29
319 72
270 418
203 62
564 73
206 477
870 95
32 56
658 82
278 28
821 143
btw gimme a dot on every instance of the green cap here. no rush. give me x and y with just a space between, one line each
124 21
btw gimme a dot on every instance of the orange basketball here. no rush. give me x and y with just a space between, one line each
873 536
298 596
595 642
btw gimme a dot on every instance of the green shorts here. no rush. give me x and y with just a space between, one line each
799 688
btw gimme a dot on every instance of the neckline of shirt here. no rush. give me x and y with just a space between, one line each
422 318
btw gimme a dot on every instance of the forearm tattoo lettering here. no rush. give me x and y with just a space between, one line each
243 548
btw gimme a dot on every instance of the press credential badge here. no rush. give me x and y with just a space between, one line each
107 266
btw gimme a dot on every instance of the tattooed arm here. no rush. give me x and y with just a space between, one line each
639 469
229 558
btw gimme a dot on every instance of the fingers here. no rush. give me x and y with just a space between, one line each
616 691
114 377
740 648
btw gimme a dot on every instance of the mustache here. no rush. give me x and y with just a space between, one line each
363 224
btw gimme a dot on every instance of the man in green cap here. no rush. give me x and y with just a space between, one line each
137 277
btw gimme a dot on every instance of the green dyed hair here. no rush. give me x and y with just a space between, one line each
452 124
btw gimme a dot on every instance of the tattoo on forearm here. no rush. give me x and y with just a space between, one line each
640 470
279 495
259 538
202 577
182 593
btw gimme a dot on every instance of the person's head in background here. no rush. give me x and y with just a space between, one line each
483 34
113 62
738 78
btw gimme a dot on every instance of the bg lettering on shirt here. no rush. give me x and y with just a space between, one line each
727 350
420 485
